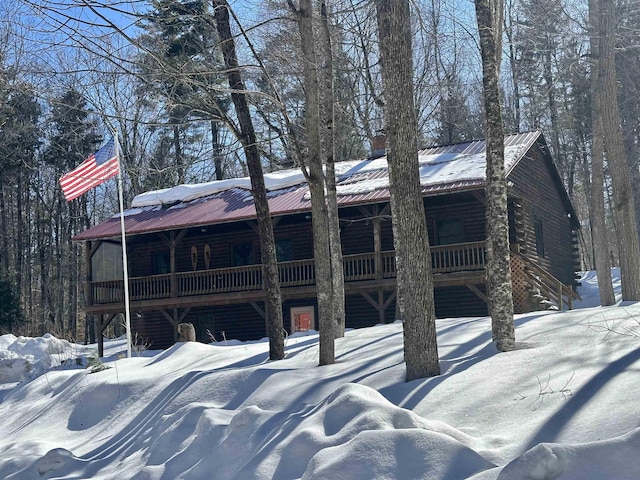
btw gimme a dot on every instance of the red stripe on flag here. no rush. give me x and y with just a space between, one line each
86 176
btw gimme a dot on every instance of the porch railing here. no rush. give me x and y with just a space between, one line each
360 267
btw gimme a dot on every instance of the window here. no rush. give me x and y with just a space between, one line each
106 263
537 225
449 231
302 319
284 250
242 254
161 263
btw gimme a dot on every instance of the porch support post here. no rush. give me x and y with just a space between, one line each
172 263
100 339
173 241
175 319
101 328
89 250
175 324
377 243
560 291
380 305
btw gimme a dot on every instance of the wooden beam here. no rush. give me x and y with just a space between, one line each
479 196
390 299
106 324
165 239
184 314
175 330
166 315
254 226
89 273
380 305
180 236
365 212
377 247
479 293
375 304
93 247
257 308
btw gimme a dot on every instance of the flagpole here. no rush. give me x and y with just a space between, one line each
125 269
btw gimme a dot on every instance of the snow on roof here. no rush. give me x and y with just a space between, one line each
434 169
185 193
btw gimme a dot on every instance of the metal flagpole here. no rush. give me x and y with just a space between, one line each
125 269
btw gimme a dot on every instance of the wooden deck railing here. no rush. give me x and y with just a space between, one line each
459 257
360 267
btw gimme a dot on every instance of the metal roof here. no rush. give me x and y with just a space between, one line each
236 204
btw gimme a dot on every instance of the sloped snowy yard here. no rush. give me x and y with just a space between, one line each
564 405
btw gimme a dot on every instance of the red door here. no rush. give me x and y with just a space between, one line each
302 321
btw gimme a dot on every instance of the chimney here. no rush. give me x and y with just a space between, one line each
378 145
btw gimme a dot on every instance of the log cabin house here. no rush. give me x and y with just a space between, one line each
194 251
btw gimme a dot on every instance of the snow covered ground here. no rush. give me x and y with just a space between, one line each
564 405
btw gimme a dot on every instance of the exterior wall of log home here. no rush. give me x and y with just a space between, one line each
546 233
210 274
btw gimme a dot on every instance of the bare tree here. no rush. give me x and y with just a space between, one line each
413 257
489 16
312 165
598 223
327 101
275 329
623 207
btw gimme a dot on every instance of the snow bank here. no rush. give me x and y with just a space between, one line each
354 433
563 405
23 358
606 459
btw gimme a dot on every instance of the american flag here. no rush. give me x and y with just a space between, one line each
98 168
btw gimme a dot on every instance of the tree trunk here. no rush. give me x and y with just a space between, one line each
316 180
623 207
598 222
513 62
217 157
177 145
498 252
71 269
270 275
4 232
327 101
413 257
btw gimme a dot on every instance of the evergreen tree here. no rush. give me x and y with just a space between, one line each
180 66
10 313
72 140
19 139
456 122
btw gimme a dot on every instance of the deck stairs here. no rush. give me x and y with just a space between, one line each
546 292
